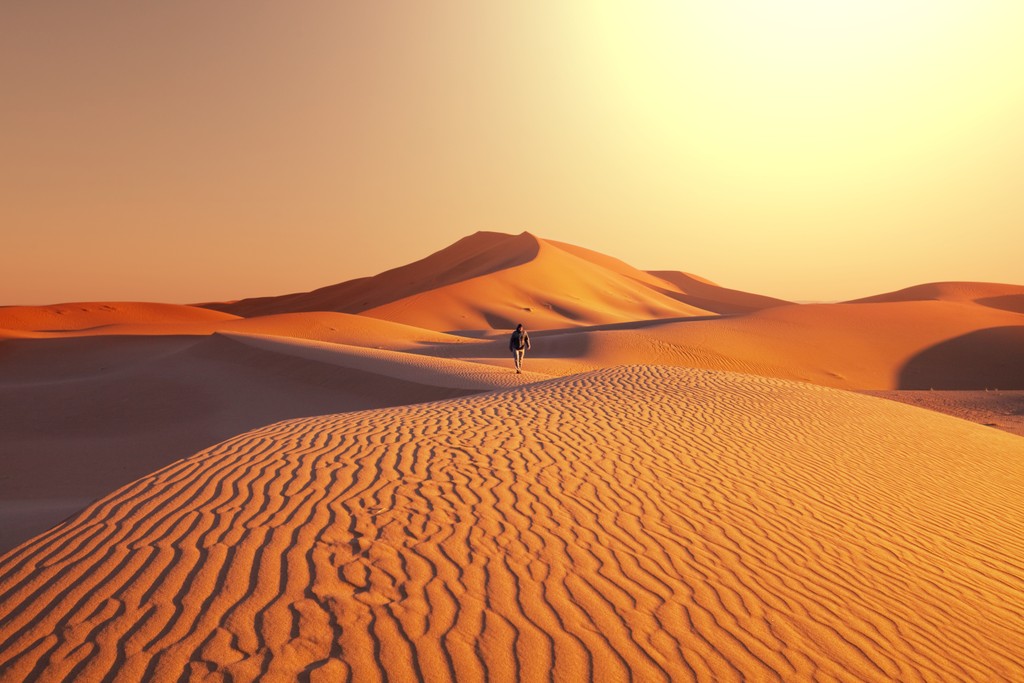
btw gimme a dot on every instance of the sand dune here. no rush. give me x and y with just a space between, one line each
689 289
918 344
97 315
89 408
493 281
472 256
644 523
862 346
82 412
1006 297
82 416
341 328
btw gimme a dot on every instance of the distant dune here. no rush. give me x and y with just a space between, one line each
98 315
863 346
642 522
492 280
1006 297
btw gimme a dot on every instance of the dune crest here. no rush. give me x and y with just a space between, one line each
977 292
633 522
492 281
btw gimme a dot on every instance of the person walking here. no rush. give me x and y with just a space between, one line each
519 344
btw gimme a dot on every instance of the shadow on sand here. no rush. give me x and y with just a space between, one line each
985 359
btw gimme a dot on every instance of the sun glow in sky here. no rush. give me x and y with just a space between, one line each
804 149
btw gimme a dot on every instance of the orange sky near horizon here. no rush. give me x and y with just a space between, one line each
196 151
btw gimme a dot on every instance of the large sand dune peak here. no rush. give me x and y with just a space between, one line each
492 280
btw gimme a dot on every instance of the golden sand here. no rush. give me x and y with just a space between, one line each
644 522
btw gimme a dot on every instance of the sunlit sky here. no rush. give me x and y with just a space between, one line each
194 150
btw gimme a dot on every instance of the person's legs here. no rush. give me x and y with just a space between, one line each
519 353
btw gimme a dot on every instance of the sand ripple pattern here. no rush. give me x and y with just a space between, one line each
638 523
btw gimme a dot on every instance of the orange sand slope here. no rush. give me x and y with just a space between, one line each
126 320
653 523
492 281
89 316
995 295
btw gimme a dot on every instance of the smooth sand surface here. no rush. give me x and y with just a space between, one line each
342 328
641 523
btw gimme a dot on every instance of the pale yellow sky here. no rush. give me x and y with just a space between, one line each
804 149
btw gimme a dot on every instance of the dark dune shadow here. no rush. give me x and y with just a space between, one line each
1010 302
985 359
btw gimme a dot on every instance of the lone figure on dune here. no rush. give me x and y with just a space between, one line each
519 344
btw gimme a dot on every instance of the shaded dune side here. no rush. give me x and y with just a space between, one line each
711 297
79 417
635 523
992 358
554 289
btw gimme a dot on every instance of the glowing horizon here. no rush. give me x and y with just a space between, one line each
797 149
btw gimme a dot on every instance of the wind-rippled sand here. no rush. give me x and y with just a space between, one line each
636 523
